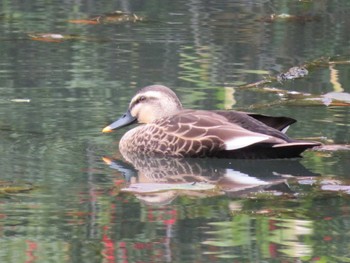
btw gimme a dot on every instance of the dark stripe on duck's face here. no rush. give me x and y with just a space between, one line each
137 101
123 121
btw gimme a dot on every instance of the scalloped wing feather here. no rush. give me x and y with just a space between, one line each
212 131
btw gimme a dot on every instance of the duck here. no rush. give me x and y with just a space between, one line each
168 129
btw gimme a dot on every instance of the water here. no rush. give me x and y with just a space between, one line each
57 96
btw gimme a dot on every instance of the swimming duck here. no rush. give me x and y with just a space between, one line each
170 130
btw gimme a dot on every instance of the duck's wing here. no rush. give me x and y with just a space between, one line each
202 133
247 122
244 118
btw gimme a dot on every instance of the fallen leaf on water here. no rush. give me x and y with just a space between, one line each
47 37
58 38
114 17
84 21
7 187
290 18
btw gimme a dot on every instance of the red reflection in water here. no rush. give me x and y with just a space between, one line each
327 238
124 251
108 250
31 248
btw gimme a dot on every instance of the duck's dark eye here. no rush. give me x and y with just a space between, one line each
142 98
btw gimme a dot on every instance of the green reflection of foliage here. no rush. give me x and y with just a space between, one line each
257 235
196 66
327 163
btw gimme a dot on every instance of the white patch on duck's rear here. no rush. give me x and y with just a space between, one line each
244 141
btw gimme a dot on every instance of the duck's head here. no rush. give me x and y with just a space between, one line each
149 104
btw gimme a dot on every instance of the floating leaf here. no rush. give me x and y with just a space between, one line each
50 37
290 18
57 38
84 21
7 187
114 17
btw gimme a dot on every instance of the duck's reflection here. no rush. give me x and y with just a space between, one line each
161 180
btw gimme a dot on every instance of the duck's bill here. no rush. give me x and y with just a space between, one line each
123 121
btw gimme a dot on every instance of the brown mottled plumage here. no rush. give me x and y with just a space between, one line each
170 130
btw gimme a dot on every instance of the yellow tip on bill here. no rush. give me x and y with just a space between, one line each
107 129
107 160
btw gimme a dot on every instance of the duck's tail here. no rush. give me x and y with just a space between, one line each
268 151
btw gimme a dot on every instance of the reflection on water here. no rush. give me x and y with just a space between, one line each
161 180
265 237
